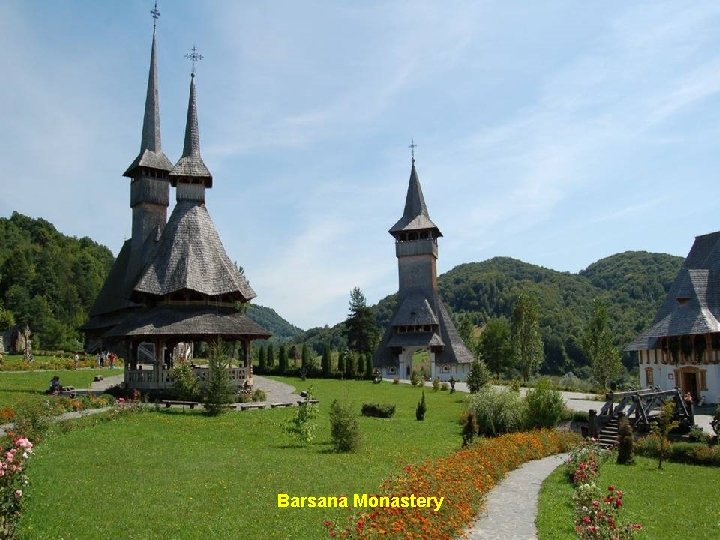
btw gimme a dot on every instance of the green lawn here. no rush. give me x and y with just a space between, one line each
681 501
184 475
17 388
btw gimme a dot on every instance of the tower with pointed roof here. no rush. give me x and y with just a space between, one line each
150 184
421 320
172 284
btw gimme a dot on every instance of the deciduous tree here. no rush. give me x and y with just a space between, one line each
599 348
526 340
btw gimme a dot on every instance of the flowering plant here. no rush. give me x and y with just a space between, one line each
600 520
12 482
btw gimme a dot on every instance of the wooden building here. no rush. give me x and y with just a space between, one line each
172 283
681 348
421 320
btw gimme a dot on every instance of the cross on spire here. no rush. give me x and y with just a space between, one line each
155 15
194 56
412 148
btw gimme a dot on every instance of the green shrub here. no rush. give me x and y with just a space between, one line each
545 406
498 411
421 408
479 376
185 382
303 425
682 452
259 395
444 387
470 427
436 384
377 410
396 381
625 440
344 428
416 379
219 390
697 434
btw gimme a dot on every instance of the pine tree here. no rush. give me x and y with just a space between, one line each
361 329
527 343
350 365
598 346
479 376
421 408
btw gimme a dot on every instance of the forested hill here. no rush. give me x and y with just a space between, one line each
48 280
633 284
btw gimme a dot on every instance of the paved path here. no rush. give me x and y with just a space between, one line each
511 507
277 392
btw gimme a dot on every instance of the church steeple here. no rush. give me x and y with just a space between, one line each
151 155
190 174
150 186
415 218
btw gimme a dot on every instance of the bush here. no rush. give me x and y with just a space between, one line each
302 425
479 376
470 427
421 408
344 428
416 379
185 382
436 384
682 452
219 390
498 411
444 387
626 441
697 434
545 405
259 395
377 410
396 381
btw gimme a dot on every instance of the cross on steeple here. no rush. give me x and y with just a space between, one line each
195 57
155 15
412 148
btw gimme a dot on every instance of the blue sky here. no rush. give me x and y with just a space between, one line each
554 132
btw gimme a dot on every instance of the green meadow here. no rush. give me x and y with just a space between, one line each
181 474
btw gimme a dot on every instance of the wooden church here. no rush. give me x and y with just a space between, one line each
681 348
172 283
421 321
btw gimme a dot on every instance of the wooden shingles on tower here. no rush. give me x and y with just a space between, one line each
421 320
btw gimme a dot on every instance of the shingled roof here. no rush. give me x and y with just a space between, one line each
190 256
191 322
692 305
151 154
415 216
191 164
415 310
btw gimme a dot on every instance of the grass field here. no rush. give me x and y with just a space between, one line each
184 475
18 388
681 501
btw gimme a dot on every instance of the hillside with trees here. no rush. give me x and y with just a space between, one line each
632 285
48 280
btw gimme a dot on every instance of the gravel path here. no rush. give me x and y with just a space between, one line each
511 507
277 392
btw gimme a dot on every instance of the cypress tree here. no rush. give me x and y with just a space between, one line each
262 361
368 366
270 356
341 361
326 360
283 359
349 364
305 356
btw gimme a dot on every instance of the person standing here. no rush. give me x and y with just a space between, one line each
76 360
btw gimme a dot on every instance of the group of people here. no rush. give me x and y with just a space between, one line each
106 358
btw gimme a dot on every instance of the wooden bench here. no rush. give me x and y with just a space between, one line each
248 406
169 402
275 405
310 401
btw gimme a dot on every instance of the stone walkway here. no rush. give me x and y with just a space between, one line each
511 507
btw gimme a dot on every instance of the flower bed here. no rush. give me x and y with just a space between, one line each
464 478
